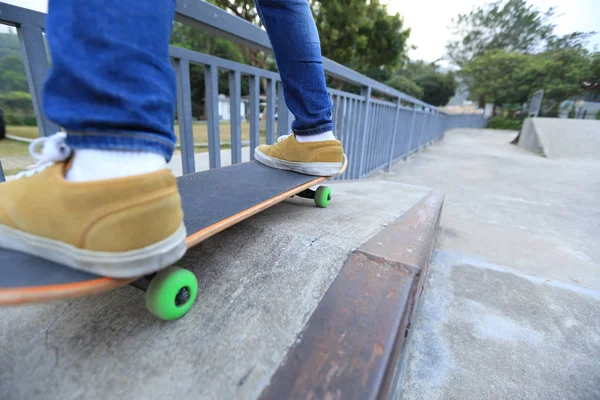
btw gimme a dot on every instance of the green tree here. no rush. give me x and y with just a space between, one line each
194 39
12 74
246 10
501 77
424 81
495 76
361 35
406 85
9 45
561 72
437 87
17 102
510 25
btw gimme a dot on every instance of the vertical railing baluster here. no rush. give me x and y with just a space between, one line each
356 140
383 143
379 133
35 60
394 133
424 127
283 114
412 129
376 124
421 126
211 77
254 84
271 111
334 113
2 177
371 133
365 91
184 116
375 127
235 100
346 139
342 119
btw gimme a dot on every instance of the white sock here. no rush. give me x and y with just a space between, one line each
92 165
316 138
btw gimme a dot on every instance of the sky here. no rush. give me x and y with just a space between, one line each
430 20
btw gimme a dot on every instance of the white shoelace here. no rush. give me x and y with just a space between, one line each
53 148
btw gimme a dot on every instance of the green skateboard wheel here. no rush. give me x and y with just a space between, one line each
171 293
322 196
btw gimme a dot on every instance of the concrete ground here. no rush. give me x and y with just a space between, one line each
259 283
511 307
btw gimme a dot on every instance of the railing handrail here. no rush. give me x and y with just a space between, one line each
215 20
14 16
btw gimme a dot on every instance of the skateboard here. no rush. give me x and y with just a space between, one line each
212 201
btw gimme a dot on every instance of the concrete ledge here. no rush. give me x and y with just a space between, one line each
354 343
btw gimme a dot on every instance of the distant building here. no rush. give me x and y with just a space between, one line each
225 108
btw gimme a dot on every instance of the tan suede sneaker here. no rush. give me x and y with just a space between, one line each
325 158
121 227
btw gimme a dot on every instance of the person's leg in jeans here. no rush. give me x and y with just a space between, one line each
312 148
101 199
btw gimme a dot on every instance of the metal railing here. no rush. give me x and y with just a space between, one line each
375 132
465 121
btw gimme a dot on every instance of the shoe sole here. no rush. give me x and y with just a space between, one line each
126 264
307 168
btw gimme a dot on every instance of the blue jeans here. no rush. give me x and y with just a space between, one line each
111 84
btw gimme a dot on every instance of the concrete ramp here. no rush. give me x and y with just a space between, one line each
556 138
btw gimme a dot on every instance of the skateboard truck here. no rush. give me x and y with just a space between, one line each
321 196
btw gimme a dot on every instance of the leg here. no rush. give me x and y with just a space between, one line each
295 40
112 87
312 149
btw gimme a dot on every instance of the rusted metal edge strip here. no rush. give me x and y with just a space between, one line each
353 343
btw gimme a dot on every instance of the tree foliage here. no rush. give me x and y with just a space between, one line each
424 81
406 85
508 49
437 87
510 25
361 35
499 76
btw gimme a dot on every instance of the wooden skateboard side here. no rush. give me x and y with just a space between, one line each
99 284
42 294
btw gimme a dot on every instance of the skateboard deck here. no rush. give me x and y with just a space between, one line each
212 201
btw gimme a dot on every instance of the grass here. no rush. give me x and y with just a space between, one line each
13 148
27 132
200 132
9 148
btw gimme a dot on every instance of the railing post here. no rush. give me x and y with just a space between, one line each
283 113
365 91
271 111
423 120
211 82
35 60
254 114
394 131
412 129
184 116
235 100
2 178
